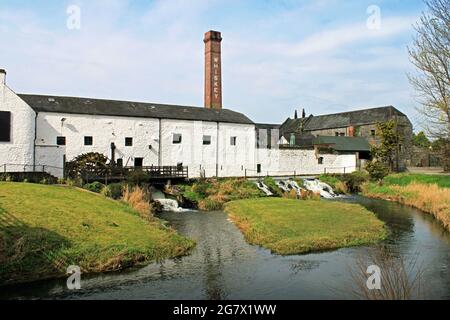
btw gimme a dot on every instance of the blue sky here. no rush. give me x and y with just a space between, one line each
277 55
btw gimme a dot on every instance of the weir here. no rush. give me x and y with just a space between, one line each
167 204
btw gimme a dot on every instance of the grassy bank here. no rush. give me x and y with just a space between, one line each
292 227
212 194
44 229
428 193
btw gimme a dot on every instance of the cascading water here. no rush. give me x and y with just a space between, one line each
261 186
282 185
317 186
167 204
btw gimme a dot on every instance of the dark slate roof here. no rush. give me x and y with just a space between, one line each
267 126
352 118
71 105
341 120
344 143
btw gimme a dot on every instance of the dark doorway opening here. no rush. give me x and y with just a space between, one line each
138 162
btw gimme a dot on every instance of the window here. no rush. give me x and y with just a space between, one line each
138 162
61 141
120 163
372 133
336 134
177 138
5 126
128 142
292 139
342 134
206 140
233 141
258 168
320 161
88 141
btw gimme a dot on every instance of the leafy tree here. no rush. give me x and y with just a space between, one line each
430 54
384 153
421 140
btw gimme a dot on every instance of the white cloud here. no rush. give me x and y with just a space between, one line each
157 55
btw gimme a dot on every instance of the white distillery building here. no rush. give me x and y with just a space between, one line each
39 132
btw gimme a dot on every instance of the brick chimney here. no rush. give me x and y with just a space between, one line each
2 77
213 70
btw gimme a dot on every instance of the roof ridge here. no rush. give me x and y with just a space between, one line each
115 100
358 110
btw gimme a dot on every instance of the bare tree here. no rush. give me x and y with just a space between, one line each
430 54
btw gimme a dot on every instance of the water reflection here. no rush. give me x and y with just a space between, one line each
224 266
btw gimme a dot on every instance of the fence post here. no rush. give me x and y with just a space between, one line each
295 174
325 170
245 174
4 168
344 170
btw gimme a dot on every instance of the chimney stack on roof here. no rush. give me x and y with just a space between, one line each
2 77
213 70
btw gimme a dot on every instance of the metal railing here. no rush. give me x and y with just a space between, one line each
15 167
294 173
148 172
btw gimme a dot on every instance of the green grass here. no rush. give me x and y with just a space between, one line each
293 227
44 229
212 194
404 179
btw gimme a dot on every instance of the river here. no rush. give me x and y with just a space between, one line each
224 266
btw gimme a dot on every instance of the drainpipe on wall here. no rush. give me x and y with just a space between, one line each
159 143
34 142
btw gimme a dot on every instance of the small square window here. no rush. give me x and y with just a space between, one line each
177 138
320 161
128 142
342 134
119 163
88 141
258 168
61 141
206 140
372 133
233 141
336 134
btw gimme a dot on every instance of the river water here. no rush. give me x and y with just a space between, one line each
224 266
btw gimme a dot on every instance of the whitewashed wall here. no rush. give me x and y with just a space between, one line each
301 162
218 157
19 151
202 159
104 130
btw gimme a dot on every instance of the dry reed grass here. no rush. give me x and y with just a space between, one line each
429 198
400 279
139 200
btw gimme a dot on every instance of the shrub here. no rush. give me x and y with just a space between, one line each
96 187
113 190
77 182
355 180
210 205
377 170
201 189
341 188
